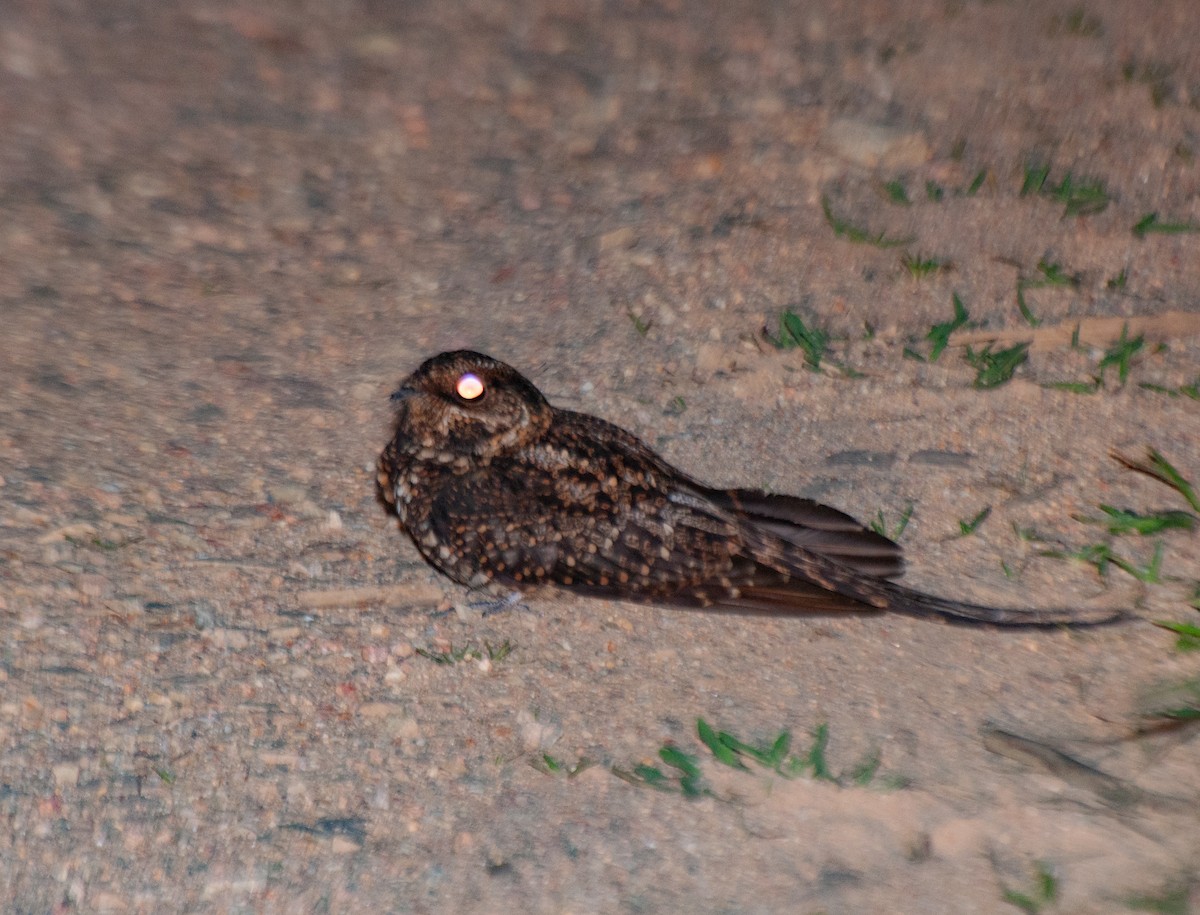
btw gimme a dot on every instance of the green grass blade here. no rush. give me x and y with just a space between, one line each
996 368
847 230
816 754
939 334
1151 223
1123 521
1189 634
685 763
717 745
967 528
1161 469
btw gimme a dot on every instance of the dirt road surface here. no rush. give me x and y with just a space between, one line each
227 682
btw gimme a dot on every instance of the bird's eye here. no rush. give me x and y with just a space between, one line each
469 387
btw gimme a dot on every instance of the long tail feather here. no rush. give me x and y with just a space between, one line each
789 576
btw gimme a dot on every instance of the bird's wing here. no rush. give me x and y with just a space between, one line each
815 527
615 534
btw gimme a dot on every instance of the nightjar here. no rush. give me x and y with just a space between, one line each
503 492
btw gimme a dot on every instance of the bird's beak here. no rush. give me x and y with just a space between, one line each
403 392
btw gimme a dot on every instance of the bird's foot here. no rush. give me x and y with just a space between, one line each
491 604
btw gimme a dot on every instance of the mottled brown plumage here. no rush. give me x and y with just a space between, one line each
501 491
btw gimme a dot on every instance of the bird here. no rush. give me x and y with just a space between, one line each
507 494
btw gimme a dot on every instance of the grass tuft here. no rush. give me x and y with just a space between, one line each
1151 223
794 333
1053 274
879 524
939 334
1186 390
681 771
919 267
1120 521
1079 196
1189 634
551 765
1043 893
896 192
1158 467
976 183
1173 900
844 229
1121 353
994 368
1074 387
1101 556
966 528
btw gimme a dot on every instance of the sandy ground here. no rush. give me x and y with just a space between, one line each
226 231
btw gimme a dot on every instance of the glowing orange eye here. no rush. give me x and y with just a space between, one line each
469 387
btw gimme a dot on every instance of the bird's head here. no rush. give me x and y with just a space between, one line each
465 404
